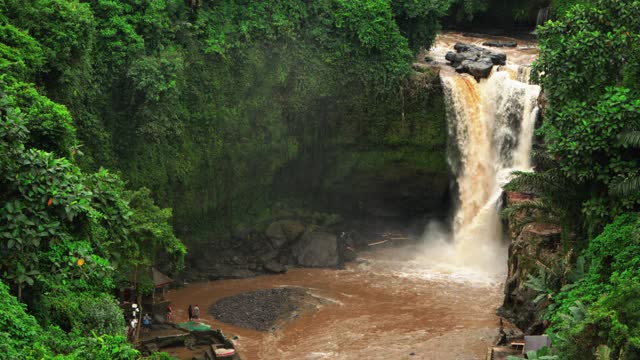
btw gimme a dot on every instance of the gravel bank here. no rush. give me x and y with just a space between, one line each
260 310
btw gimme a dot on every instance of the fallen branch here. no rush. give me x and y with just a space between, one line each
378 243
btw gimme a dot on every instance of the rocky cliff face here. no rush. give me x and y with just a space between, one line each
285 243
532 246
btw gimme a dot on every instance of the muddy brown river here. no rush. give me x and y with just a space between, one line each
390 304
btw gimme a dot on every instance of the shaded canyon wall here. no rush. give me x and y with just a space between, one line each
361 161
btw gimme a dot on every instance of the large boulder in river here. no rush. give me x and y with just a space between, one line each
316 249
283 231
274 267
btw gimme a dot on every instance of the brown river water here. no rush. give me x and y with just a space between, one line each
432 301
386 305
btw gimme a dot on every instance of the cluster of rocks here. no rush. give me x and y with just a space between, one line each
474 60
251 252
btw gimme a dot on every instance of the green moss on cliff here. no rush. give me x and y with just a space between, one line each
206 102
406 132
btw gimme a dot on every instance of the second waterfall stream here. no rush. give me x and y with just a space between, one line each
491 124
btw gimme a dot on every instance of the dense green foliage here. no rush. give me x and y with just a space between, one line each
561 7
21 337
587 181
589 66
64 230
54 214
603 307
64 236
205 104
199 104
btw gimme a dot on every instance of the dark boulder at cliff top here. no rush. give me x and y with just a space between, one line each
479 69
474 60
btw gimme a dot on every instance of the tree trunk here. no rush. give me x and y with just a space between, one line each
139 324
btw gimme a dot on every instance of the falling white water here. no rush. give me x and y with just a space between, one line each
491 126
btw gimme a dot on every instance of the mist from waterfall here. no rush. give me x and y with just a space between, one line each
491 126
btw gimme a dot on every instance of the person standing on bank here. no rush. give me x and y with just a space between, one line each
196 312
146 323
190 310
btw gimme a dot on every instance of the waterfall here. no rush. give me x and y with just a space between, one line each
491 125
543 16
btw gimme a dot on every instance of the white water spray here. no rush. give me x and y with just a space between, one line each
491 126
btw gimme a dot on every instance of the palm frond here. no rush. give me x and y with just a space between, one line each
537 182
630 138
626 187
542 284
578 271
578 312
543 160
537 207
538 218
523 206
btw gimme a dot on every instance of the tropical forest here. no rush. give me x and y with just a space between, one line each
327 179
